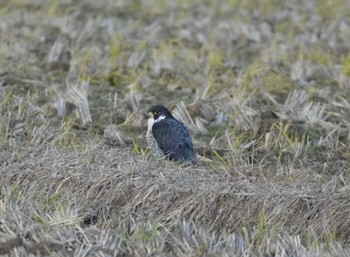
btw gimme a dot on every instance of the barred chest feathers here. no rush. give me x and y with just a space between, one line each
151 141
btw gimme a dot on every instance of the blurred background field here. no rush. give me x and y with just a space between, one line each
263 86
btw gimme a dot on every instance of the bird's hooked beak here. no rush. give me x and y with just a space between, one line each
149 115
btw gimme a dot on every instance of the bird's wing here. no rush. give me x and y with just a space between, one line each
174 139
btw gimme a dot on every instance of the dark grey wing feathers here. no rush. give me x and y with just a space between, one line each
174 140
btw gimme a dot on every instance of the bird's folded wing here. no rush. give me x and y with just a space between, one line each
173 139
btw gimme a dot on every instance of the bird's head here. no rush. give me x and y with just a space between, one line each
158 112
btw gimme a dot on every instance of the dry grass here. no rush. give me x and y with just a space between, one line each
263 86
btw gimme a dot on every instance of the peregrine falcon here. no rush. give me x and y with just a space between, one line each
167 137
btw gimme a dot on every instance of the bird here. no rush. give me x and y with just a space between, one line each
167 137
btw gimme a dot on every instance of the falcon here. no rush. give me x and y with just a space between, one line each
167 137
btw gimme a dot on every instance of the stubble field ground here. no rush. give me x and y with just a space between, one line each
263 87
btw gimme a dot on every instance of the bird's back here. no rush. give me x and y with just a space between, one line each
174 140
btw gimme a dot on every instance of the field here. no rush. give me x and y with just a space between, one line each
263 86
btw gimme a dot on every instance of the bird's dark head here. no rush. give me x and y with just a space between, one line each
159 111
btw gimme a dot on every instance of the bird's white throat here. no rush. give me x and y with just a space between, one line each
151 121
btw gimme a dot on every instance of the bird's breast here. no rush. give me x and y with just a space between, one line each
150 123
